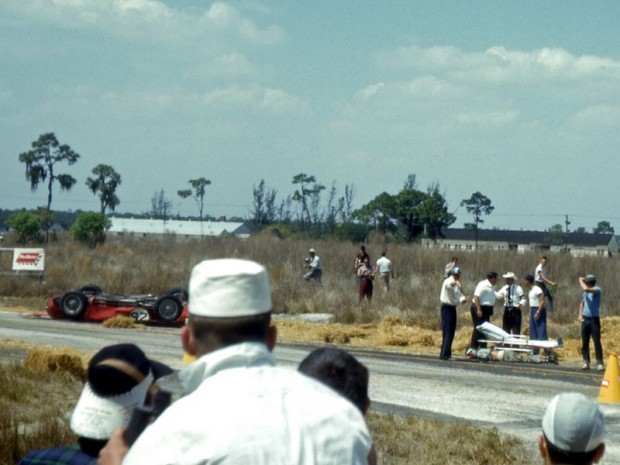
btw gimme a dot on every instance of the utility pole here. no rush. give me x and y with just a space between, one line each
566 222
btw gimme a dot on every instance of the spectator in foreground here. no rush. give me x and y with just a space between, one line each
119 378
573 431
343 373
240 408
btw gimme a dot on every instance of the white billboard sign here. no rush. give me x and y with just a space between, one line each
28 260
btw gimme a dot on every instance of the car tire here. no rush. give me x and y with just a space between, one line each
91 289
73 304
168 308
180 293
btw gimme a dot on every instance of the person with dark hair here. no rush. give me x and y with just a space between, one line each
119 378
543 282
341 371
590 318
366 276
538 311
454 261
239 407
573 431
360 257
345 374
482 305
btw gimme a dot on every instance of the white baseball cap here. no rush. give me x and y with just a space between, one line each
574 423
229 288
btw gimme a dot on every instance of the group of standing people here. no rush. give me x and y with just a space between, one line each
535 293
362 268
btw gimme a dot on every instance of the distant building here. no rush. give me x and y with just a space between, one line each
577 244
157 227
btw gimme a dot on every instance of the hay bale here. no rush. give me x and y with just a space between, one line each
51 359
121 321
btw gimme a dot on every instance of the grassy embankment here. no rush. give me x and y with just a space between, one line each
406 319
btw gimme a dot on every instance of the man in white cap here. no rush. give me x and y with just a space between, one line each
573 431
119 378
240 408
514 299
313 263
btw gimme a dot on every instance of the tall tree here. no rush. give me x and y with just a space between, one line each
603 227
434 213
380 213
478 205
307 195
198 192
104 185
161 206
265 210
40 163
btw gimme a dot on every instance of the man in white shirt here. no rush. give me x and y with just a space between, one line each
386 271
541 280
450 296
313 263
482 307
240 408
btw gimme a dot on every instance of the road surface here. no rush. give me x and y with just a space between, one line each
509 396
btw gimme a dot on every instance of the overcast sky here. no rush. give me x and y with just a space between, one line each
517 100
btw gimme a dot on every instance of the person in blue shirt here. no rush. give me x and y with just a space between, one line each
589 315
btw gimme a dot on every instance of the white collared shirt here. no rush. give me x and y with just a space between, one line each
451 293
242 410
485 291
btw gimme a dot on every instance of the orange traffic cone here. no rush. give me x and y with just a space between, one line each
610 386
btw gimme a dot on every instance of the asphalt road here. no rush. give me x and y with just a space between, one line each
509 396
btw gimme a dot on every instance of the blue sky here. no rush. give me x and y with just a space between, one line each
517 100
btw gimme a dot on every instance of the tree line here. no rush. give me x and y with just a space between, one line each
311 210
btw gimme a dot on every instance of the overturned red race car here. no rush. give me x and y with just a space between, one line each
90 303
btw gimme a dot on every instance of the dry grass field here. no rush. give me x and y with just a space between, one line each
405 320
37 395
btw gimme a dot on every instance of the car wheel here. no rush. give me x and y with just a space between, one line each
91 289
179 293
73 304
168 308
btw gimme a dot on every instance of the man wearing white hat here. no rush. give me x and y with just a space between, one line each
514 299
573 431
240 408
119 378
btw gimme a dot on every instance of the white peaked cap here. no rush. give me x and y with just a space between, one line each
229 288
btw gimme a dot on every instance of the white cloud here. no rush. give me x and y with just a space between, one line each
150 19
